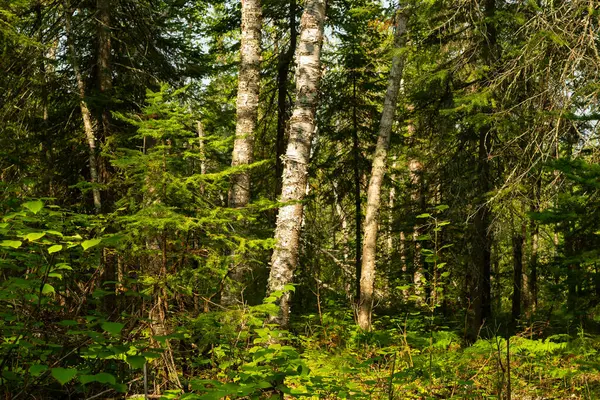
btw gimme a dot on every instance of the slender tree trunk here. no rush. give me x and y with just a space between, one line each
357 199
201 151
283 70
367 278
105 86
483 241
415 169
302 126
104 64
85 111
533 264
517 243
247 115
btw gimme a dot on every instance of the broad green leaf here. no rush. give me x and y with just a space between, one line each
90 243
47 289
15 244
114 328
35 236
55 233
102 377
136 361
424 215
55 248
63 375
63 266
289 287
37 369
3 225
34 206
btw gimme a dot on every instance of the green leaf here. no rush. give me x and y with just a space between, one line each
424 215
136 361
63 375
55 233
289 287
34 206
55 248
102 377
15 244
114 328
35 236
47 289
37 369
90 243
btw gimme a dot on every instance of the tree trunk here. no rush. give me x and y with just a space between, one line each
85 111
247 101
367 278
517 243
357 199
285 60
104 67
302 126
483 241
415 169
105 86
533 264
247 115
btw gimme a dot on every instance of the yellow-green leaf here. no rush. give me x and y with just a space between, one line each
90 243
35 236
47 289
15 244
55 248
34 206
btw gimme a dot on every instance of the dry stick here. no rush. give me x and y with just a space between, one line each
391 385
508 388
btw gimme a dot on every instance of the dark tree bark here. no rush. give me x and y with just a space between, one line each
517 243
357 200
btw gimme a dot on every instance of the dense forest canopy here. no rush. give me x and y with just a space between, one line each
336 199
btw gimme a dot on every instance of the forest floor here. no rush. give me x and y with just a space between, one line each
417 362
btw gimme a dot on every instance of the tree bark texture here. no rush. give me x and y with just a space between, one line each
367 278
296 159
104 66
483 241
247 101
85 111
283 69
517 276
247 115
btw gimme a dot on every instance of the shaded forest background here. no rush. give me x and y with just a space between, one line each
281 199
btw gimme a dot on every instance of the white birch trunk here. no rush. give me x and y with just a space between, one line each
302 127
367 278
247 116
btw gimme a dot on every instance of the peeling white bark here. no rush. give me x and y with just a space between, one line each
302 127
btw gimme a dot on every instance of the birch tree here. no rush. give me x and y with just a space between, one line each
247 115
367 277
302 126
